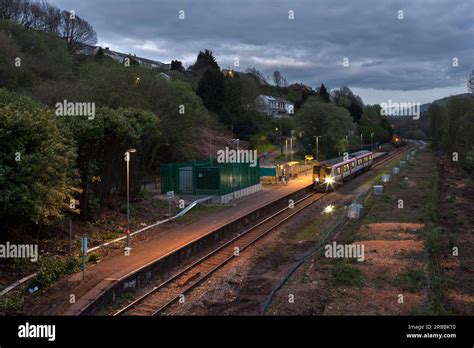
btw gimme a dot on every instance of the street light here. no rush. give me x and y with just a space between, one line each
291 148
281 139
286 149
372 140
317 146
127 159
361 141
235 141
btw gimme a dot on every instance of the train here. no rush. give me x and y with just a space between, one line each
328 174
397 141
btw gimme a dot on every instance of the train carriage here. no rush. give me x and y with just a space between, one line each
329 173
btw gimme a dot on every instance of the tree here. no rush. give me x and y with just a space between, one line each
43 56
32 15
233 95
100 148
76 31
278 78
437 115
416 134
327 120
205 61
372 122
345 98
177 65
323 93
250 91
257 75
36 164
211 90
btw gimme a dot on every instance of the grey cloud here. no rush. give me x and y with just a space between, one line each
385 53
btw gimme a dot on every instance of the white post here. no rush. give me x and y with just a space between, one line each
128 201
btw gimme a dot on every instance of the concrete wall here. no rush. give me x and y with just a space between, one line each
237 194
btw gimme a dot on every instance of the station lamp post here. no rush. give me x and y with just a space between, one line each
127 159
291 148
372 140
235 141
280 131
361 141
317 147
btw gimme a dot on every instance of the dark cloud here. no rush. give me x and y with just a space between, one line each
384 52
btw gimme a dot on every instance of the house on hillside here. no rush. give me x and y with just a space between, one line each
274 106
120 57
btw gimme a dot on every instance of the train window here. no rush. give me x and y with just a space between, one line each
359 162
338 171
370 157
365 159
353 164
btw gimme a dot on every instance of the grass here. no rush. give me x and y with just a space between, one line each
199 211
346 275
54 268
412 280
11 304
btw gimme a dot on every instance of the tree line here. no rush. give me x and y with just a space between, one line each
43 16
452 128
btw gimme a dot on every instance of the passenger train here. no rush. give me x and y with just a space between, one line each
329 173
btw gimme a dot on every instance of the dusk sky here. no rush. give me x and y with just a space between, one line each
408 59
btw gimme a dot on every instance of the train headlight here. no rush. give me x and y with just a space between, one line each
329 180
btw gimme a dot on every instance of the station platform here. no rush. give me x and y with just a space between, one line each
103 275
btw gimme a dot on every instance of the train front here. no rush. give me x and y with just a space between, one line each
323 178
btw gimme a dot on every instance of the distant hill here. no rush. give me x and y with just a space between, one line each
443 102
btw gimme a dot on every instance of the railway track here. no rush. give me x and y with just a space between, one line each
162 296
172 290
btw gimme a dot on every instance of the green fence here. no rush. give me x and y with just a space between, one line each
207 177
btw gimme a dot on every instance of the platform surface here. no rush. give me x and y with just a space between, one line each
103 275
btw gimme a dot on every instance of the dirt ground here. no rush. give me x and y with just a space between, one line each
457 217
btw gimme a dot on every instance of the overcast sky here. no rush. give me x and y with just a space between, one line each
408 59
